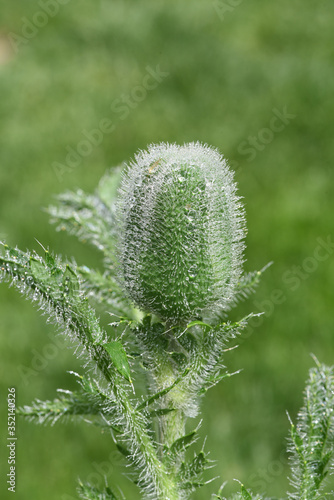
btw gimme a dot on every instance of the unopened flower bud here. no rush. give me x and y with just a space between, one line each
181 229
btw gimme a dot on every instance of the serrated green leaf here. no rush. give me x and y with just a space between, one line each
192 485
197 465
183 442
311 441
119 358
89 492
40 272
189 471
33 278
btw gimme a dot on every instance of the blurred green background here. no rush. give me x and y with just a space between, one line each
231 70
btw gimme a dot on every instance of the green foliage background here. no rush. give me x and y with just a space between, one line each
225 78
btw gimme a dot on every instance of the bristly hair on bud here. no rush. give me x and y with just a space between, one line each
181 228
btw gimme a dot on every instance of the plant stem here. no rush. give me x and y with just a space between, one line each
157 480
172 425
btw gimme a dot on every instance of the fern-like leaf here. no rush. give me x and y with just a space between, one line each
206 367
88 492
57 290
249 282
90 401
90 217
311 442
86 217
73 404
102 288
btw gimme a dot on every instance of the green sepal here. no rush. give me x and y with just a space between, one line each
119 358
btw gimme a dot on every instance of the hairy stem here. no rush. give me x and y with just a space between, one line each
172 425
156 480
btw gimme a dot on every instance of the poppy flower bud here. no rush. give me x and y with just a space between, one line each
181 229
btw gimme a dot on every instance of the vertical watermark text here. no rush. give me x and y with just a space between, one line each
11 439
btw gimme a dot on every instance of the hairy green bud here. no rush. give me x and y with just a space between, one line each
181 229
